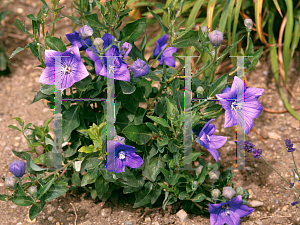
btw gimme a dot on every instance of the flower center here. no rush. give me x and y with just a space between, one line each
236 106
111 69
122 155
208 137
66 69
226 208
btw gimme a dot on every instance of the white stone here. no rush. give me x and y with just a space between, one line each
274 135
255 203
182 215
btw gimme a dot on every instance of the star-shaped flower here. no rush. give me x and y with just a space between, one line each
166 56
124 156
73 69
209 141
139 68
241 108
229 212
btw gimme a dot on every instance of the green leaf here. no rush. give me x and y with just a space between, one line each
218 85
90 177
88 149
152 127
18 24
47 89
74 19
36 209
159 120
173 146
22 200
45 159
198 197
45 4
19 49
83 84
186 39
76 179
14 127
45 188
152 167
127 88
93 21
140 134
127 178
55 44
3 197
143 90
161 24
70 121
56 190
133 31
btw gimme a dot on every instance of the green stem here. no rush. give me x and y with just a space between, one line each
295 166
56 171
212 78
91 8
248 39
280 175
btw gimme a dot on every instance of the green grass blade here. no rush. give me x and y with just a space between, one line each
236 18
194 12
277 7
287 38
225 15
229 21
296 37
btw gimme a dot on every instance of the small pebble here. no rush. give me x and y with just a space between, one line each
264 133
50 218
258 222
147 220
105 212
182 215
255 203
274 135
128 223
284 208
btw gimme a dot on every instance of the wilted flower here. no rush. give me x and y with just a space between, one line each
85 32
200 90
248 24
32 191
215 38
229 212
194 185
198 170
239 191
119 139
139 68
124 156
166 56
214 175
209 141
234 112
75 40
17 168
98 42
73 69
11 181
215 193
289 145
228 192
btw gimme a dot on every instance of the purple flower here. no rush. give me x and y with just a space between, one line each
215 38
124 156
75 40
211 142
289 145
120 67
73 70
166 56
292 184
139 68
233 105
229 212
17 168
257 153
108 40
294 203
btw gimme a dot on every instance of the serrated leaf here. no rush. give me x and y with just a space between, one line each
159 120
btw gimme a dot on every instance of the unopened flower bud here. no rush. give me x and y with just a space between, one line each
200 90
248 24
11 181
215 193
85 32
228 192
98 42
239 191
17 168
194 185
91 1
215 38
214 175
209 165
32 191
198 170
204 30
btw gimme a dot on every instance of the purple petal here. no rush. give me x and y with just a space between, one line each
214 153
252 93
230 118
81 72
92 55
74 39
226 99
49 57
107 38
67 81
167 56
241 211
133 160
128 46
48 76
122 73
163 40
85 44
217 141
119 165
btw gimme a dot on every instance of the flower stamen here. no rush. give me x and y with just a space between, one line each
121 155
66 69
